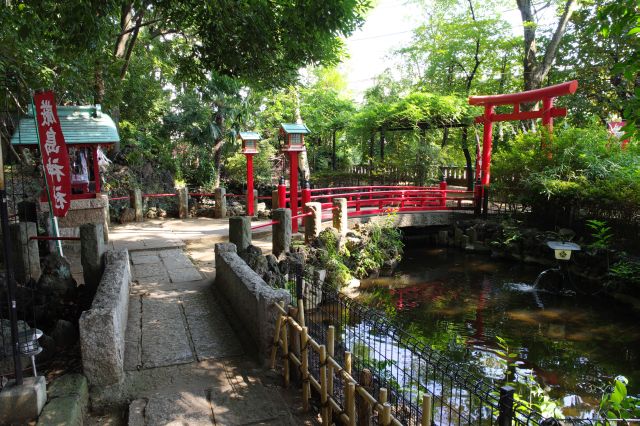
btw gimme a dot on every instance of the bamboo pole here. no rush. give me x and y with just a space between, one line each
347 362
331 338
426 411
324 412
306 390
350 402
364 407
276 336
386 414
285 355
301 313
294 344
382 399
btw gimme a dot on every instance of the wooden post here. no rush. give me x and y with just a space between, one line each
426 411
382 399
364 408
276 338
306 389
347 362
324 412
285 355
350 402
331 338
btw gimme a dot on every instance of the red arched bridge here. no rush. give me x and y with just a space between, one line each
376 200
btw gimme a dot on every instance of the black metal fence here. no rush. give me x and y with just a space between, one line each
407 367
19 185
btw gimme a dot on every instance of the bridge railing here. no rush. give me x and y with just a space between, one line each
379 199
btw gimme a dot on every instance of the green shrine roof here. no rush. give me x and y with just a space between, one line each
295 128
250 136
80 125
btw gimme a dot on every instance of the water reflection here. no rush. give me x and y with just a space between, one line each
458 303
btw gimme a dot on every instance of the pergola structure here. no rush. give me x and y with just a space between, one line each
490 102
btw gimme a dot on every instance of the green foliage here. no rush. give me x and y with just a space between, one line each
626 270
616 403
600 233
528 392
236 165
384 244
376 244
584 172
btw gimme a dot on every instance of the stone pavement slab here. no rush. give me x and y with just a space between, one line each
144 258
210 331
184 275
183 408
164 339
244 399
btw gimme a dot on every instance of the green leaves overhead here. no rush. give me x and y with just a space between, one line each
416 110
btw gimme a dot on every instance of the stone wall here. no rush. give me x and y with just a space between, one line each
102 328
419 219
249 298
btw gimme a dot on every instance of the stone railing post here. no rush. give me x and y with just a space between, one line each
281 233
107 216
183 202
312 223
255 202
340 215
92 254
240 232
220 198
26 257
135 199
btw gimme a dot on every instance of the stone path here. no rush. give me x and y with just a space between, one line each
183 361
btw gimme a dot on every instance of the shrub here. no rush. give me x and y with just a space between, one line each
584 173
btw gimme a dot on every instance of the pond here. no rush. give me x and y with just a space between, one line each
571 345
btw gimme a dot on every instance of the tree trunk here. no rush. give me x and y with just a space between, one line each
382 144
217 147
535 70
333 151
126 23
467 158
131 45
98 84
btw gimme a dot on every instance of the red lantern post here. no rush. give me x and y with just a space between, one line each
293 144
249 149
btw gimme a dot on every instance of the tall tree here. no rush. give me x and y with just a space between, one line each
622 19
537 68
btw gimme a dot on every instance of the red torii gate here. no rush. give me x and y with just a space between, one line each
548 111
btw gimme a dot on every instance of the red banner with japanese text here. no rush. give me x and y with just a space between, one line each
55 158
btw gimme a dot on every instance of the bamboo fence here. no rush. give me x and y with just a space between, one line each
358 405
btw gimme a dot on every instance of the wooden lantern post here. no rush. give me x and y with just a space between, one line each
249 149
293 144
